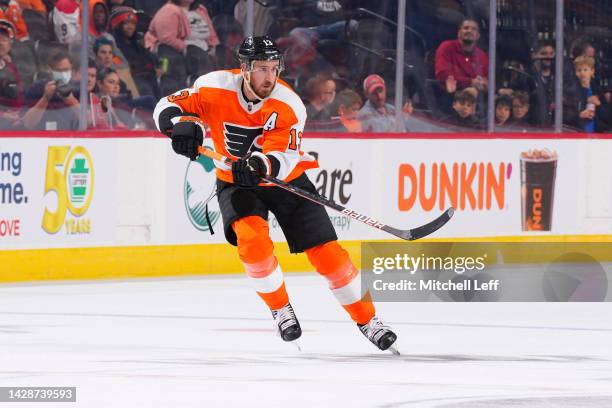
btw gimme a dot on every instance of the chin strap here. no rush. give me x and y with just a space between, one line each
246 79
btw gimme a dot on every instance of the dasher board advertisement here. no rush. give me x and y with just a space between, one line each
57 192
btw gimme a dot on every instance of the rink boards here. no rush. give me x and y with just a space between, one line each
123 204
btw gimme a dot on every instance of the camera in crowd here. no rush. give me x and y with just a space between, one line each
63 90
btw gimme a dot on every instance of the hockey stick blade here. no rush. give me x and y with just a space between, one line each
423 230
408 235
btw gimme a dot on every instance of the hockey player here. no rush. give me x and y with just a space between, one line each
256 119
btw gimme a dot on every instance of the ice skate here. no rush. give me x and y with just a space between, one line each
379 334
288 326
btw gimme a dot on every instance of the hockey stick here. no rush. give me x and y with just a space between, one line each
408 235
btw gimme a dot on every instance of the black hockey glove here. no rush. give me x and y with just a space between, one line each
187 136
248 170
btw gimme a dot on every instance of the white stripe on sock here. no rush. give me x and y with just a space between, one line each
349 293
269 283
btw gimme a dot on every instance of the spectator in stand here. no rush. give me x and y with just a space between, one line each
584 48
186 27
96 119
50 102
539 82
92 71
348 103
98 19
320 93
10 10
8 53
464 109
503 109
170 26
520 109
143 64
377 115
36 5
104 51
129 99
584 109
7 29
461 63
11 87
65 18
99 24
108 91
202 40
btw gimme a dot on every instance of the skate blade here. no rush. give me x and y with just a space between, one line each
297 344
394 350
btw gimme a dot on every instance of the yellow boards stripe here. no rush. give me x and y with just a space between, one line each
181 260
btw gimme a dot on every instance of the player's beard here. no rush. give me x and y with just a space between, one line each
264 90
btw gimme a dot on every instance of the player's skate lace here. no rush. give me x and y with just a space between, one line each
287 323
378 333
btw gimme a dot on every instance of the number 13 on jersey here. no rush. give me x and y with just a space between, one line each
295 139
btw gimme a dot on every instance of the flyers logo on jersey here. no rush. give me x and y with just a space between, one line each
240 140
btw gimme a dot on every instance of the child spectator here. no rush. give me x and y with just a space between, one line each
520 109
583 105
464 109
348 103
10 10
503 107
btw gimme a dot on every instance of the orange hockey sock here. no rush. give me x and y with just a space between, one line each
333 262
255 250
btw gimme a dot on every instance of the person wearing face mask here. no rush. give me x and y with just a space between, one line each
50 102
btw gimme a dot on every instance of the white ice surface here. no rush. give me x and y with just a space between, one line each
209 343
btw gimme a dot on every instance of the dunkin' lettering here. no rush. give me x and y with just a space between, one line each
473 186
536 210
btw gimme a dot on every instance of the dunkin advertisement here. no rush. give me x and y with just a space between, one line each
499 187
538 171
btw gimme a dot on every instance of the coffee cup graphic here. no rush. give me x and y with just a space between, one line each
538 173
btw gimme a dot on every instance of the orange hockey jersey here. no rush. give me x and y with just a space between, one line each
273 126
